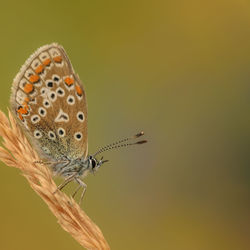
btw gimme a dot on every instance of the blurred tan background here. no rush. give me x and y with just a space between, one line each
180 71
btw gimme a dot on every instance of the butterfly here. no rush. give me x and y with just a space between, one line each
48 100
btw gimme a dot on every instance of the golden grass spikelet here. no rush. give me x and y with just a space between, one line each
17 152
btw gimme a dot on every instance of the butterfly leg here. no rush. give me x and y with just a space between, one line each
76 191
43 162
84 186
66 181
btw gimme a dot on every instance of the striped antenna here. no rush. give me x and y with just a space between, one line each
119 145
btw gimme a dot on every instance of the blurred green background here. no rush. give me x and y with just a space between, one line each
180 71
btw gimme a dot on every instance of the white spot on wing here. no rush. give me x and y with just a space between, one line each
60 92
49 83
78 136
52 135
37 134
43 56
42 112
28 73
71 100
61 132
35 63
52 96
62 117
56 79
80 116
22 83
20 96
46 103
35 119
54 52
44 91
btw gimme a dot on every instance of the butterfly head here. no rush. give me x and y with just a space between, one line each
94 164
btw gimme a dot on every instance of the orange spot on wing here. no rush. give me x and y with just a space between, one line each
20 117
39 69
69 81
78 90
34 78
28 88
57 59
47 62
25 104
27 99
22 111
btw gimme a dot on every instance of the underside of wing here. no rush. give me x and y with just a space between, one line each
49 102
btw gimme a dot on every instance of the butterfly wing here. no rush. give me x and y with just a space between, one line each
49 102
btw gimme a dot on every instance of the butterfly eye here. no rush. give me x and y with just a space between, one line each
93 163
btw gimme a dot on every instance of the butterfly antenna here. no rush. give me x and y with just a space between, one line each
118 143
120 146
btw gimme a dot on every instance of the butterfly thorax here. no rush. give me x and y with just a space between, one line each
65 168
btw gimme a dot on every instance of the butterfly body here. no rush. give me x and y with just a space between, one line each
80 166
68 167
